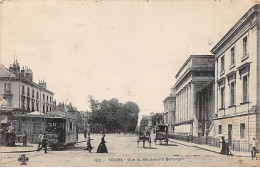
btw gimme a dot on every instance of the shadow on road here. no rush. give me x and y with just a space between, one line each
168 145
150 148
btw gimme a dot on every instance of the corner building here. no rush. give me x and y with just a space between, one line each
237 72
21 93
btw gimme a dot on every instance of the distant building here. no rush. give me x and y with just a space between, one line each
195 96
19 90
237 79
169 110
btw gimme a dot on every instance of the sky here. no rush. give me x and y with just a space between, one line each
130 50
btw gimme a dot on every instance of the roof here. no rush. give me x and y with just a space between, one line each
60 114
5 73
169 98
33 114
190 57
232 31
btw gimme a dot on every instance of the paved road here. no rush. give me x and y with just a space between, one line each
123 151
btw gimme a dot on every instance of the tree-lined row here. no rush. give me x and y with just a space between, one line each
113 115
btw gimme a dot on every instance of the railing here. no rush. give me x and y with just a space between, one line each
241 146
236 145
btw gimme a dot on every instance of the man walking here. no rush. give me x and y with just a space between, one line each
43 143
253 148
24 138
40 140
89 147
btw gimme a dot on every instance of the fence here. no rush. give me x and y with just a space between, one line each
236 145
241 146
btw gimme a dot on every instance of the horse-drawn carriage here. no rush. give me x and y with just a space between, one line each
161 134
144 136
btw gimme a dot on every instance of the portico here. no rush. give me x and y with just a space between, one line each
194 92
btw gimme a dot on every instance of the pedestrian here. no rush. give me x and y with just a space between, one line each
40 140
24 138
89 147
253 148
102 146
44 143
224 146
85 134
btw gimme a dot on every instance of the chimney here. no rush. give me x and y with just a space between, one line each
42 84
22 72
28 74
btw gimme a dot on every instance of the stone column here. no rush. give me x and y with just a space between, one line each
193 101
177 107
190 103
181 105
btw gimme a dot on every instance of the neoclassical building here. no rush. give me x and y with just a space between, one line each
169 110
237 72
195 96
21 92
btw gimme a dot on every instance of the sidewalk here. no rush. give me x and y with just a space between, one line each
210 148
19 147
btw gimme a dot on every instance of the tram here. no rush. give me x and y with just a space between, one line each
60 129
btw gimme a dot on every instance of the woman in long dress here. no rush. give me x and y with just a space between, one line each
102 146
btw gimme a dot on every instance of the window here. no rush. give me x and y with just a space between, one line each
242 130
28 104
37 106
43 96
43 108
23 90
28 91
70 126
33 106
245 88
232 93
32 93
232 56
50 99
222 93
222 64
37 95
245 46
23 103
47 98
7 88
219 129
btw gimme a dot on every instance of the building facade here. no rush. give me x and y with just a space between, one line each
237 71
19 90
169 110
195 96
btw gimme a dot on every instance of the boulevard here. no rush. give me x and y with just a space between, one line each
123 151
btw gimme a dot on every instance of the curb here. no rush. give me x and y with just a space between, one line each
206 149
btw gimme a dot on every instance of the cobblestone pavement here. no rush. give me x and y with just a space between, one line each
123 151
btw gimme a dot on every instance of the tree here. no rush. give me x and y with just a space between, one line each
144 123
157 119
113 115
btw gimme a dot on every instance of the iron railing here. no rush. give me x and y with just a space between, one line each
236 145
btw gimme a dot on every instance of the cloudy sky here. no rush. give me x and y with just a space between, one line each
130 50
